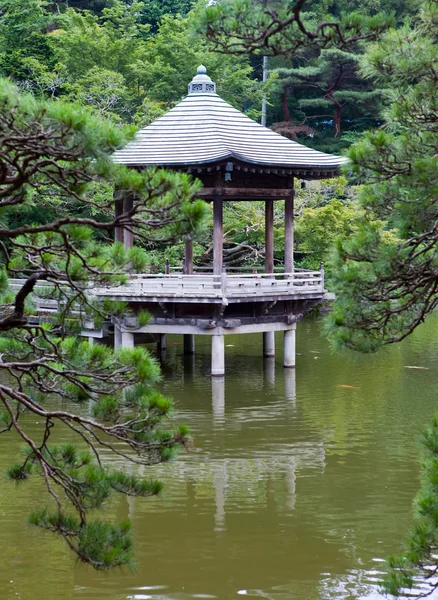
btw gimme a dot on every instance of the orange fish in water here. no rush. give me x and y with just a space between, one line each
348 387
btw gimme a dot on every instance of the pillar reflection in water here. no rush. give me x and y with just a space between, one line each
269 371
189 367
290 386
220 483
218 398
290 479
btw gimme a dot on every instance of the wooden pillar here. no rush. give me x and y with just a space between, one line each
289 232
269 336
118 210
218 354
218 235
128 234
269 236
188 255
162 342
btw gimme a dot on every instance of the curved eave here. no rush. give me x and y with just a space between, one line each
234 156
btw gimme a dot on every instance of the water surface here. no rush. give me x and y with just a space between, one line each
298 484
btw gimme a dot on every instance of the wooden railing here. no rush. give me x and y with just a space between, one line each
222 286
199 286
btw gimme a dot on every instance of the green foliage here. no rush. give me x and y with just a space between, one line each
24 47
101 544
318 228
412 568
55 229
386 274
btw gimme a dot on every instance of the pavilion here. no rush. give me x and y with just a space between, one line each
236 159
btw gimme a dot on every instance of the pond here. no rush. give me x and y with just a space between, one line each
297 485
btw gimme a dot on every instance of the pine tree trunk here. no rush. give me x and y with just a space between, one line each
286 113
337 119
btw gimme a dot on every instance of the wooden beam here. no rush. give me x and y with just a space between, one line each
289 232
128 235
244 193
218 235
118 211
188 255
269 236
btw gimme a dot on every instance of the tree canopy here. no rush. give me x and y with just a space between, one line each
54 159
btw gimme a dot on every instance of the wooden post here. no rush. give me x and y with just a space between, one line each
188 255
218 235
269 336
162 342
269 236
128 237
289 232
118 210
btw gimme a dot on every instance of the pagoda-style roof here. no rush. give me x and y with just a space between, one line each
204 129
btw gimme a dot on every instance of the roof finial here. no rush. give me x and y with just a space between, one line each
201 83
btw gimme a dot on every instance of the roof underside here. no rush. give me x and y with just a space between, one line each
204 129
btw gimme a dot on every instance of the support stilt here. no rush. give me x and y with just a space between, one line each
269 343
189 344
117 337
91 341
127 339
289 347
218 355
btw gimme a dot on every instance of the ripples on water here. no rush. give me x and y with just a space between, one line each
298 484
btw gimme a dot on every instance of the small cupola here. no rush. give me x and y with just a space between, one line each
202 83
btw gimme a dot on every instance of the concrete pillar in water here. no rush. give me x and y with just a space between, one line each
189 343
218 355
269 343
91 341
127 339
289 346
117 337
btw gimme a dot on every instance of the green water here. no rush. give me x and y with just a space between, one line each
297 485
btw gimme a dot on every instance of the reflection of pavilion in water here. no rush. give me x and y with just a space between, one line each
246 483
